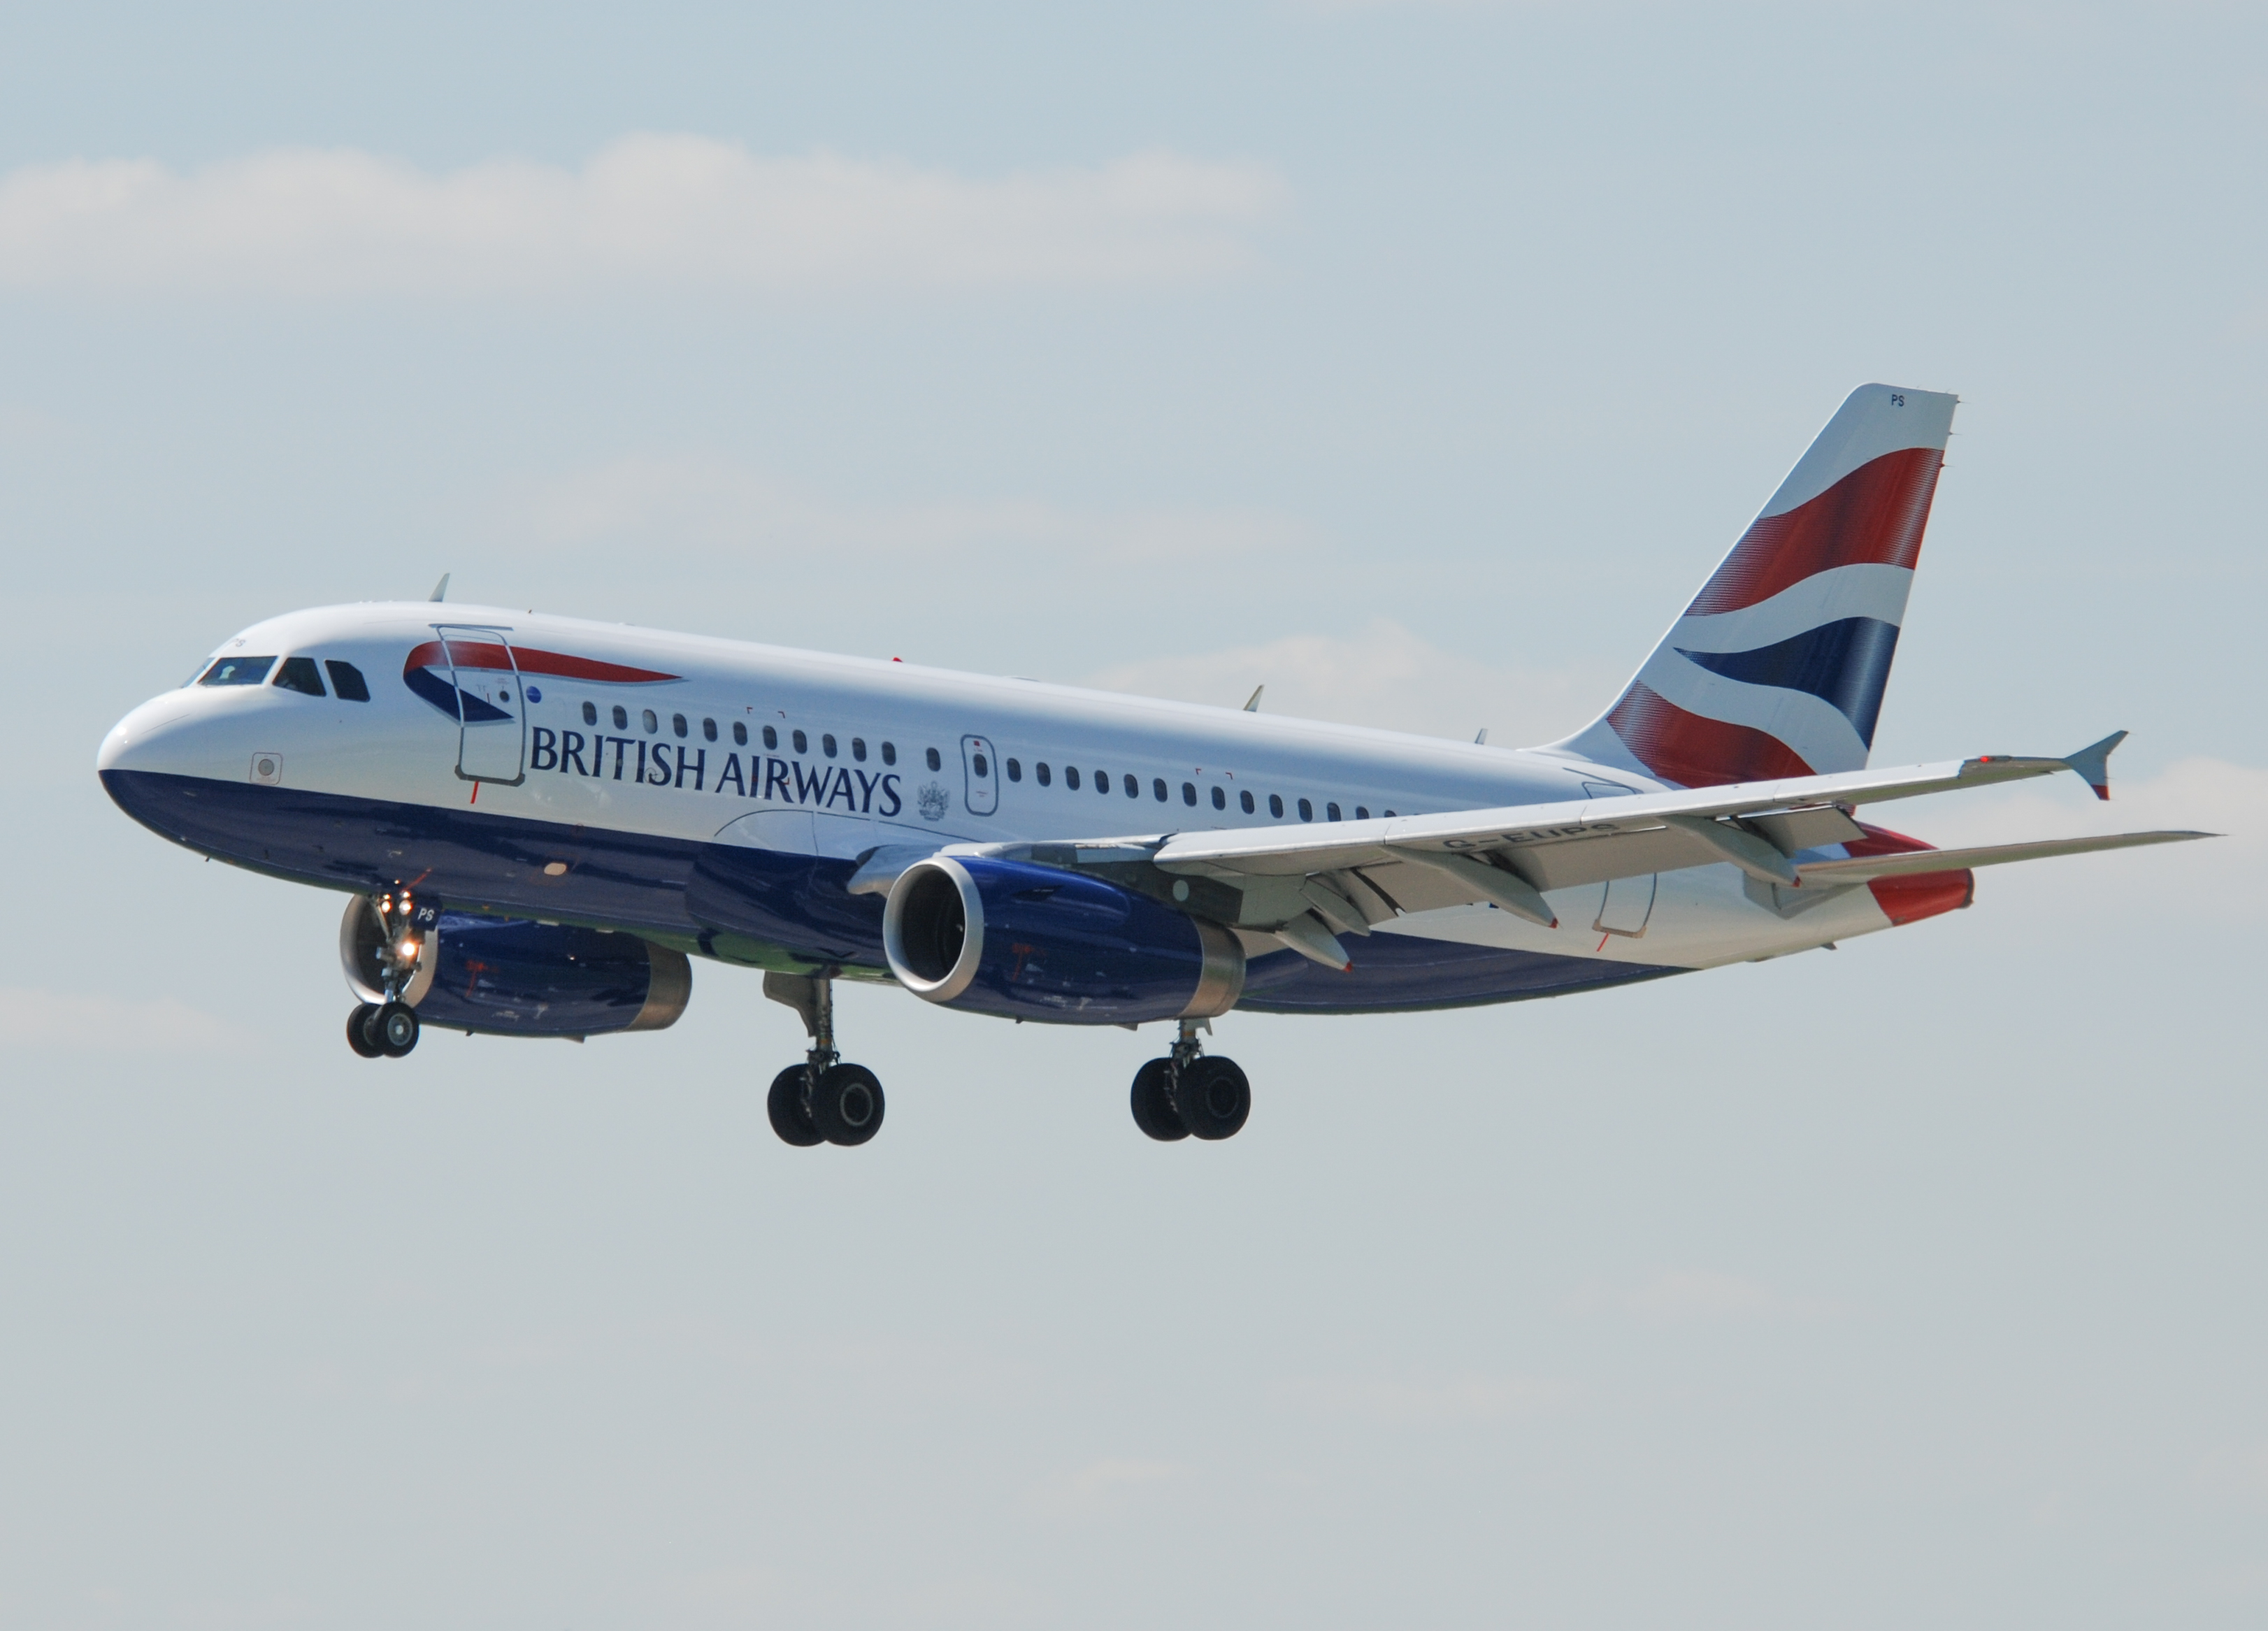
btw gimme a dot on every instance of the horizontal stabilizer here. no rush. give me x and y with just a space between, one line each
1864 869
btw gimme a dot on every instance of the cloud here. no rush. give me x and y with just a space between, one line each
1099 1484
1458 1399
1691 1294
673 210
704 503
1386 676
32 1018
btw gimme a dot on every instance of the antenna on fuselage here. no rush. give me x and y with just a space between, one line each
441 589
1252 704
1482 739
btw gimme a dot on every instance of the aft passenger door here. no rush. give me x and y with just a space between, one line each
983 776
491 714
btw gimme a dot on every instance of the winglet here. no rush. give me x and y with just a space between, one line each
2094 763
441 589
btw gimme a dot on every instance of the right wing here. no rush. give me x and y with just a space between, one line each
1310 884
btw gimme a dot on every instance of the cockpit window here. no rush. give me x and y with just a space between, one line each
347 681
298 673
238 671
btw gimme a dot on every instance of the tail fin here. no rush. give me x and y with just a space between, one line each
1777 668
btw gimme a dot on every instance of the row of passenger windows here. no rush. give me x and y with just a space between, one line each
1042 772
1163 794
294 674
680 727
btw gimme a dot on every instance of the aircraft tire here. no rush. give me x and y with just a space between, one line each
1153 1102
358 1029
847 1105
1214 1098
790 1120
396 1030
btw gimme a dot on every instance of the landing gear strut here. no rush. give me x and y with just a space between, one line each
388 1030
1187 1092
822 1100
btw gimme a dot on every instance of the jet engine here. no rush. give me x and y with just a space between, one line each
516 977
1030 942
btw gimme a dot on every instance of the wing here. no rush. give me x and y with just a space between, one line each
1309 884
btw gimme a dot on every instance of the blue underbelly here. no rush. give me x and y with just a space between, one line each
693 891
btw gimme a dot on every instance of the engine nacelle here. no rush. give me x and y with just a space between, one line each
516 977
1031 942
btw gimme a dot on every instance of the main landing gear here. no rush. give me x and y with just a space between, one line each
1187 1092
822 1100
388 1030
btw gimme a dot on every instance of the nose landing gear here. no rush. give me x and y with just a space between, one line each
1187 1092
822 1100
389 1030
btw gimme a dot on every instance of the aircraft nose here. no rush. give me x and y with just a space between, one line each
137 741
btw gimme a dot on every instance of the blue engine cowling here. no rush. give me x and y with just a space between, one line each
516 977
1031 942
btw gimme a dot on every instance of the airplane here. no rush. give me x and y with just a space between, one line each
541 822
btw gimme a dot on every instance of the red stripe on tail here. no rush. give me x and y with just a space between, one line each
1693 752
1874 516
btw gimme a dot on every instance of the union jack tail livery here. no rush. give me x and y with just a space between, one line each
1777 668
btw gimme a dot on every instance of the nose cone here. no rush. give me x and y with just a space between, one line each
140 741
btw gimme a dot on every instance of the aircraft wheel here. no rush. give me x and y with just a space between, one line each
847 1105
1214 1097
790 1120
1153 1102
396 1030
358 1029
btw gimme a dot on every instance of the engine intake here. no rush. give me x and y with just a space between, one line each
1030 942
517 977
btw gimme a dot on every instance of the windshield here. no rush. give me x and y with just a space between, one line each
238 671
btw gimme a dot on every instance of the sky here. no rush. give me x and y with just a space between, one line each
1414 360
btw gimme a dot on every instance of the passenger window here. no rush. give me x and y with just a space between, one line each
650 722
1362 812
1276 805
1307 810
1133 788
1015 771
298 674
1189 793
708 729
677 723
238 671
347 681
826 746
771 739
740 733
590 713
1103 783
1331 811
1041 771
858 748
1244 799
1389 815
889 753
1219 799
935 763
621 718
1071 777
802 742
1158 789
